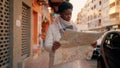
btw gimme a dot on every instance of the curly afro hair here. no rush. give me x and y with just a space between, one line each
64 6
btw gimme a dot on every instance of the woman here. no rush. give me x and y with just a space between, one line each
56 29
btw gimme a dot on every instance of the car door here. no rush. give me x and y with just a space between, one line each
110 49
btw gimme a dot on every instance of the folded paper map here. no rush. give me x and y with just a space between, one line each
75 45
74 38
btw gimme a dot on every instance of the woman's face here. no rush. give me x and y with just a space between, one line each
66 14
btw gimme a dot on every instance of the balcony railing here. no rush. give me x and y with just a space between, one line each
116 20
111 1
114 9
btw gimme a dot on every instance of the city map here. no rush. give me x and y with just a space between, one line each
75 45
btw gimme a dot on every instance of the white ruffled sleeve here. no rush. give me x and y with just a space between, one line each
49 39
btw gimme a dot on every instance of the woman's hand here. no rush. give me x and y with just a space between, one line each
56 45
94 44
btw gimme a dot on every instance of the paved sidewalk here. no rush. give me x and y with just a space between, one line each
40 62
78 64
43 59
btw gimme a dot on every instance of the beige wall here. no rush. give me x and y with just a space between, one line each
90 13
17 42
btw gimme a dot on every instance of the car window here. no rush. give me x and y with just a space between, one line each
112 40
